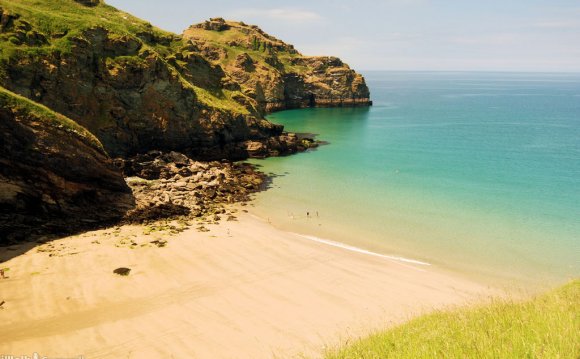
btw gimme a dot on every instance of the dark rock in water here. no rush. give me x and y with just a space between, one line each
54 175
122 271
256 149
285 144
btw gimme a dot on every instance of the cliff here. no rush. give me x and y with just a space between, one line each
274 74
52 172
138 88
109 72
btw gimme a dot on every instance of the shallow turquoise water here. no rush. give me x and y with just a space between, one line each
476 172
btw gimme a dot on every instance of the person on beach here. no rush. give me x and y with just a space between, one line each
2 274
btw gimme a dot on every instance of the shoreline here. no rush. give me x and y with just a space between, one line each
337 234
265 291
501 283
347 247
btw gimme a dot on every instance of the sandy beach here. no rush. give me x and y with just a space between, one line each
242 290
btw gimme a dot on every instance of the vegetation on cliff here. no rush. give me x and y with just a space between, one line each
108 71
545 327
274 74
138 88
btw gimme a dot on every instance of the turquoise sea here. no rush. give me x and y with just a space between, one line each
470 172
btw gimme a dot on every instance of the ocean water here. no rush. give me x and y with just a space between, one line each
470 172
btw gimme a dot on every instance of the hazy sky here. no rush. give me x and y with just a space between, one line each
525 35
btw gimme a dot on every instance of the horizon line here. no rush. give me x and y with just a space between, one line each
464 71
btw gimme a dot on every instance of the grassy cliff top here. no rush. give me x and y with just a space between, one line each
61 19
37 112
236 38
547 326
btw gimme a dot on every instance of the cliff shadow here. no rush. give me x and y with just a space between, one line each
21 231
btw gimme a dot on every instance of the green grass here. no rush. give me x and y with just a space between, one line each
22 105
547 326
57 16
53 18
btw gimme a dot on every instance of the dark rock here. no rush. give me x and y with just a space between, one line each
157 211
88 2
122 271
245 62
159 243
214 24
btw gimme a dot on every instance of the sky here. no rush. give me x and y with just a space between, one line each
442 35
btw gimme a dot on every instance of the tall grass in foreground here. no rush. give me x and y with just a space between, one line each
547 326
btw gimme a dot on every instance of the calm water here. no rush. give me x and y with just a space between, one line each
476 172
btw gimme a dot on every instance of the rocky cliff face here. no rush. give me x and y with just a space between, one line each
125 90
137 88
273 73
52 173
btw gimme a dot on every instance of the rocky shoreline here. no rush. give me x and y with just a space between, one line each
51 188
171 185
164 186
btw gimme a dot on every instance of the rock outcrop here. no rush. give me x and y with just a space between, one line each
274 74
171 184
89 2
54 175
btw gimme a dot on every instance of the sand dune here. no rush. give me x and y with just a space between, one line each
242 290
